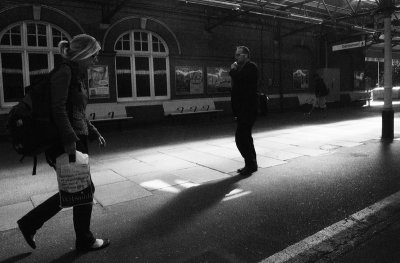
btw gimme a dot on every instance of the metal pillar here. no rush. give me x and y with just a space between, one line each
388 113
278 36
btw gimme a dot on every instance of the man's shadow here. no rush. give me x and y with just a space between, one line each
184 207
176 212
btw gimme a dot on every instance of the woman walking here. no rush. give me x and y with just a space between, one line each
68 105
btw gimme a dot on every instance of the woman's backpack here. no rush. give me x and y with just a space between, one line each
30 125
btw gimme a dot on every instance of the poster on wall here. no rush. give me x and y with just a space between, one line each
300 79
189 80
218 80
98 82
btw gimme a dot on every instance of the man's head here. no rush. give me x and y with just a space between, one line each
242 54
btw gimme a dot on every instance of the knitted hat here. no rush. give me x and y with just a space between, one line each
81 47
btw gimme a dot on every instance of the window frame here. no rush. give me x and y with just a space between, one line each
150 54
25 50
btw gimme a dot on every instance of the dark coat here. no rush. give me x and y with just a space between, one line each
68 104
320 87
244 98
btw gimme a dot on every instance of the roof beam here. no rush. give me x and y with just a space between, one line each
233 15
352 9
295 4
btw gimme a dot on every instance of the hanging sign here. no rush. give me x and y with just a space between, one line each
349 45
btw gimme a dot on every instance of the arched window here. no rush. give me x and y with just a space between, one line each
142 65
27 50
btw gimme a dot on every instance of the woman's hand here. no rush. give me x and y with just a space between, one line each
70 148
102 141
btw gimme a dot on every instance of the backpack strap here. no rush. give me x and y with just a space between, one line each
34 165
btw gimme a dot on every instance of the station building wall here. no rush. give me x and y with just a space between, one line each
187 44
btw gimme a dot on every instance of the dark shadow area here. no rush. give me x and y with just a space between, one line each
183 207
209 256
16 258
70 256
386 142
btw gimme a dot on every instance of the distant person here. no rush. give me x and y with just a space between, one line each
69 100
244 100
321 91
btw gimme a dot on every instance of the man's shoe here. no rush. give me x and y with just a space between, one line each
94 247
240 169
29 238
247 171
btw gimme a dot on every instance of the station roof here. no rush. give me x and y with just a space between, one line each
356 17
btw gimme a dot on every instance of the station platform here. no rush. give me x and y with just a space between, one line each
326 188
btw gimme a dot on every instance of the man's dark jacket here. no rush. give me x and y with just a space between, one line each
244 97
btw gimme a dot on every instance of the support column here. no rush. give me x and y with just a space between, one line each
278 36
388 113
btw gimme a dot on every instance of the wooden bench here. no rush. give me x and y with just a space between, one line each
107 112
189 107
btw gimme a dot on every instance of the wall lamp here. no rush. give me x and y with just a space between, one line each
214 3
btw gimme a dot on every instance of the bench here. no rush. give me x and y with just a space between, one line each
361 96
189 107
107 112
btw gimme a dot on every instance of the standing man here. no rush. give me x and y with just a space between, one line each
321 91
244 74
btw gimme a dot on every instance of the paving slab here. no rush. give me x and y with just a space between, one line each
171 164
283 140
157 180
307 151
200 174
265 162
329 147
229 145
273 145
279 155
345 143
9 214
106 177
217 150
119 165
215 162
110 156
115 193
176 189
224 165
136 169
191 155
152 157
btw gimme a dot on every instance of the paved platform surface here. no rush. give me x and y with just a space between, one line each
170 193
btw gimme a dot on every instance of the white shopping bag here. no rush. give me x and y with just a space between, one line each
74 182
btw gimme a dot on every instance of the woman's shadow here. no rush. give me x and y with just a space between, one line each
16 258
